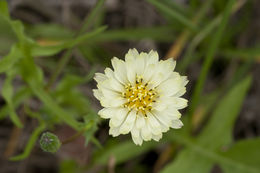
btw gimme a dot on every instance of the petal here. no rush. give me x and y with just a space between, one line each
108 93
164 119
118 118
131 74
97 93
153 121
109 73
152 57
100 77
172 113
129 122
170 86
108 112
146 132
120 70
137 138
157 137
114 131
131 55
110 102
163 71
140 64
149 72
156 127
140 122
176 124
115 85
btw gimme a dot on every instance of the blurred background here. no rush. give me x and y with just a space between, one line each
50 50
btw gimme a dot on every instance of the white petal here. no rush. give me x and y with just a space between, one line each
120 70
181 92
131 74
118 118
115 85
175 102
164 119
154 126
108 112
129 122
97 93
153 122
152 57
140 64
170 86
137 138
109 73
172 113
146 132
140 122
157 137
99 77
149 72
114 131
176 124
109 102
131 54
109 93
163 71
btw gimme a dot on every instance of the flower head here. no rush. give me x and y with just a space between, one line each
141 96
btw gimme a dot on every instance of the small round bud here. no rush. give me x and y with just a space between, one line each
50 142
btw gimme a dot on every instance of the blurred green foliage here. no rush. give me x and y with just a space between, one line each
62 100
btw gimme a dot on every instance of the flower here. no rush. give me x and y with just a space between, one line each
141 96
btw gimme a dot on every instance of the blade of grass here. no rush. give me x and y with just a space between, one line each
136 34
174 14
65 59
201 35
177 47
209 57
92 16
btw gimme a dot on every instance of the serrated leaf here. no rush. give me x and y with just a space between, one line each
246 152
202 153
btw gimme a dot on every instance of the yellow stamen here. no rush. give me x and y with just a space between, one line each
139 97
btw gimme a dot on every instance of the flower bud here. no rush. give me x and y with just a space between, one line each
49 142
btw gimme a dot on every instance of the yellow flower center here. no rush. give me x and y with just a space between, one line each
139 97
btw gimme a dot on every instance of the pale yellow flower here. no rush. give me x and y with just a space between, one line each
141 96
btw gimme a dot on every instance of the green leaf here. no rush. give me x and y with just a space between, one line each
4 9
137 34
29 146
7 93
122 151
210 55
92 16
244 53
222 121
174 14
38 50
202 153
9 60
245 152
20 96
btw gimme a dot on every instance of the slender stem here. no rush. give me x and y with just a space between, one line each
78 134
